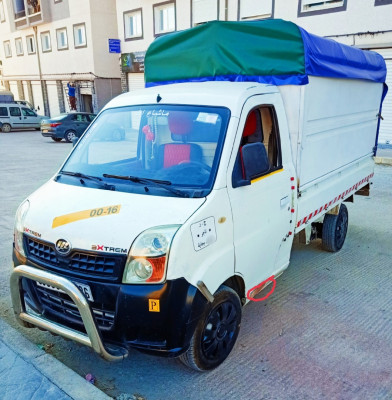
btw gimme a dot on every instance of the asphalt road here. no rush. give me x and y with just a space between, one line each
325 333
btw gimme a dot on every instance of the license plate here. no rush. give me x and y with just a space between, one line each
85 289
45 131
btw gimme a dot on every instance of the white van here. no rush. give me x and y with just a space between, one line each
188 199
16 116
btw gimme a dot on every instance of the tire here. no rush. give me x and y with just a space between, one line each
56 139
6 128
335 230
215 333
69 135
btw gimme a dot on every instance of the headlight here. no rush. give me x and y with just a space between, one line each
19 222
147 258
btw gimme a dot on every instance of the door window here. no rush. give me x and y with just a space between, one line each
28 113
82 118
15 112
260 127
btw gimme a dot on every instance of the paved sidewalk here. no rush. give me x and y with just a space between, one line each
28 373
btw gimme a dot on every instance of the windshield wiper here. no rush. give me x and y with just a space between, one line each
89 177
147 181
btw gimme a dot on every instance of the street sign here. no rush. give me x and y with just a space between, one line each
114 46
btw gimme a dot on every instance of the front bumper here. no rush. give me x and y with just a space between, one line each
132 323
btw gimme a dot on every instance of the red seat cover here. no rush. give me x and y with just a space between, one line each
175 153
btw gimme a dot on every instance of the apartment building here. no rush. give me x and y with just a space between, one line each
44 44
362 23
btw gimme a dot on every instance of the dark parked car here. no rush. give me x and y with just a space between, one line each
66 126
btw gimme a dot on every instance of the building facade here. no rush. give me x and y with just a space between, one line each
47 43
365 24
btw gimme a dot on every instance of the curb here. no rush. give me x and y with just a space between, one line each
56 372
383 160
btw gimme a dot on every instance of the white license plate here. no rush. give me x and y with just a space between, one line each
85 289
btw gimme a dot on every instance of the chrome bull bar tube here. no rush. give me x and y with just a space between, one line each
93 338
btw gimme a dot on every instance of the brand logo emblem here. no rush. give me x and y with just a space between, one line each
63 247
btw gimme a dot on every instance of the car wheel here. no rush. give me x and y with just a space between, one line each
69 135
37 129
6 128
335 230
216 332
56 139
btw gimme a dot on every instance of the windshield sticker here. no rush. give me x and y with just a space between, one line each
85 214
108 249
203 233
36 234
207 118
158 113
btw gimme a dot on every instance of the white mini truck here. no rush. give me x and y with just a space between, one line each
180 202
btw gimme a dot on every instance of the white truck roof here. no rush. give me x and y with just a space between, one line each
226 94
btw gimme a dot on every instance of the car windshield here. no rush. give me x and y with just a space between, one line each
152 149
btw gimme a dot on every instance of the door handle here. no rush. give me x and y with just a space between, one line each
284 201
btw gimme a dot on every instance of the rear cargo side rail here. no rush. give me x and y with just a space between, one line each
93 338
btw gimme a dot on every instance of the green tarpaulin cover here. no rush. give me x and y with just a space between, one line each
270 51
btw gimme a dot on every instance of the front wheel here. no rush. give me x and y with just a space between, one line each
335 230
69 135
216 332
6 128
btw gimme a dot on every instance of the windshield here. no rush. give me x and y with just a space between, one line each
142 149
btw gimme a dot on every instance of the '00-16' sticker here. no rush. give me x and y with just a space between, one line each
85 214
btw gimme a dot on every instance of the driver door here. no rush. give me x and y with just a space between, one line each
261 207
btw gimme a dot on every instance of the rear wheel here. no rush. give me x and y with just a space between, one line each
335 230
216 332
69 135
57 139
6 128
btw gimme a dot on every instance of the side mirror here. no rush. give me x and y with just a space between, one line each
255 160
74 141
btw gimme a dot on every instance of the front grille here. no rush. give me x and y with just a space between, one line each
79 263
61 303
43 251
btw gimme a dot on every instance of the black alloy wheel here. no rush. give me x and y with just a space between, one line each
216 332
335 230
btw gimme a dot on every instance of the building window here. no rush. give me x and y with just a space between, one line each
62 39
19 9
250 9
33 6
46 43
79 32
19 46
204 11
311 7
30 44
2 13
133 25
7 49
164 18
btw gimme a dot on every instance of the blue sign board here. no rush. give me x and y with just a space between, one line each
114 46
